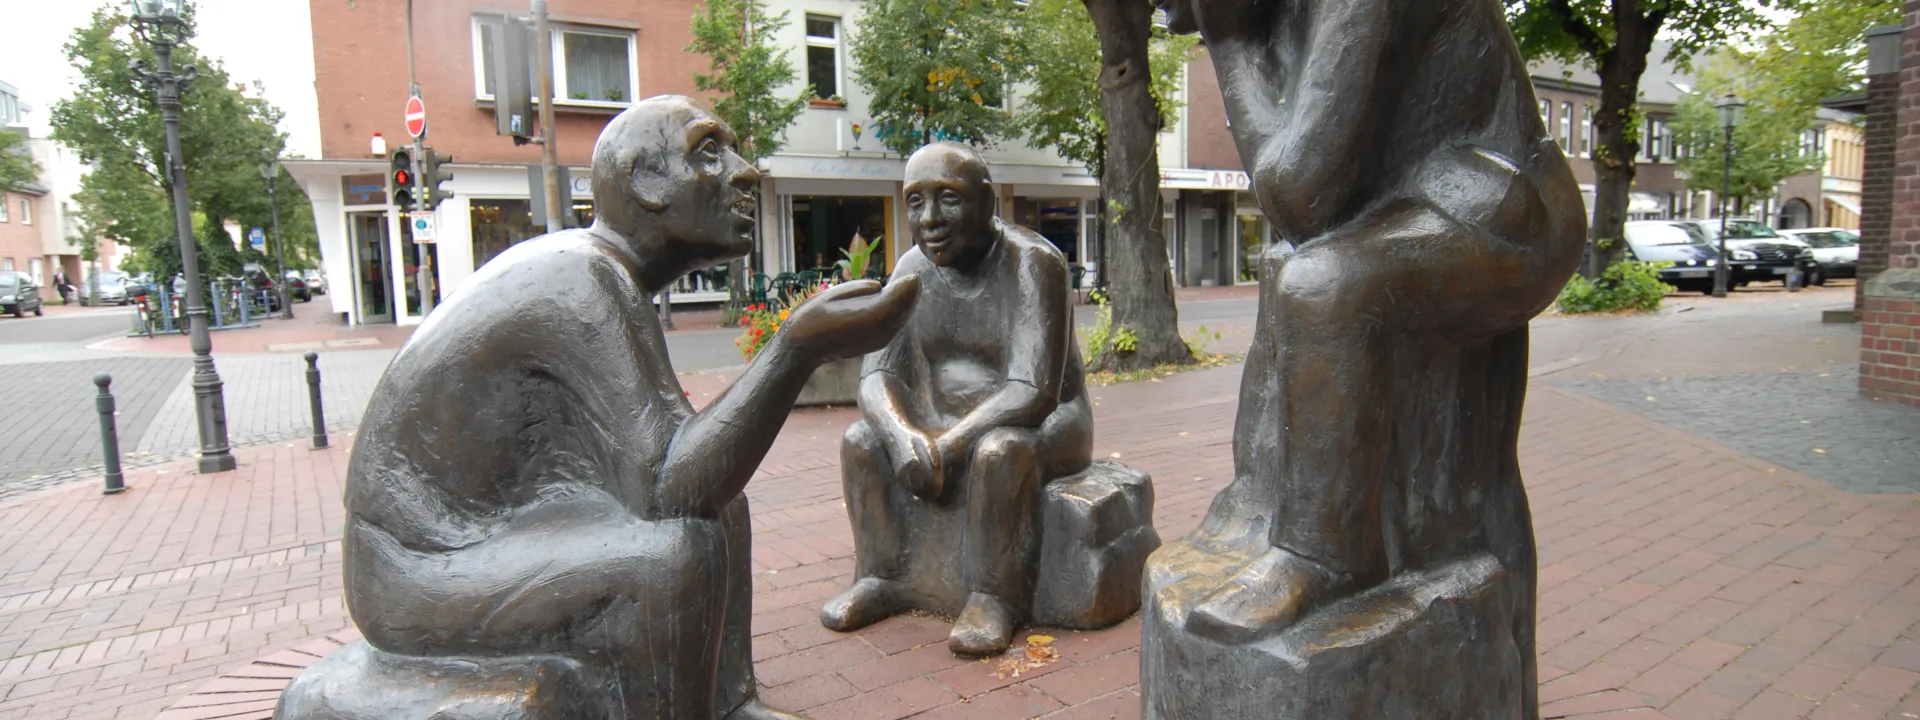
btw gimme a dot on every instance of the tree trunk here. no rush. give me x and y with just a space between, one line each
1141 291
1616 125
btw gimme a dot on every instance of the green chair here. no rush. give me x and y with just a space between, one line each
757 289
783 286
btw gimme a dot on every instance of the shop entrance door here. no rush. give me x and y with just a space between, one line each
372 267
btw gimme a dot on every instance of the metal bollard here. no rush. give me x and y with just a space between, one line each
313 397
109 437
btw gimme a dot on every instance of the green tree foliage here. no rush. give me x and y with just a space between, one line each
1063 110
939 69
1820 53
113 122
1766 144
748 69
1614 38
17 167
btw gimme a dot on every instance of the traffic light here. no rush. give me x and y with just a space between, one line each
432 176
402 177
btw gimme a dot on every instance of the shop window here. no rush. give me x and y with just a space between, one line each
498 225
825 225
591 65
1056 220
823 56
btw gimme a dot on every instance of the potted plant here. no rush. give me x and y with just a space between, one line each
837 382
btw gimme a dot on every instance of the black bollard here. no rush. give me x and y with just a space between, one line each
313 396
109 437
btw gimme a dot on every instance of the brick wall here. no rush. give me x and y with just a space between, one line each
360 73
1876 192
1890 322
1209 140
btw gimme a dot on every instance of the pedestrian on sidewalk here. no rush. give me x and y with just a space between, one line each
63 287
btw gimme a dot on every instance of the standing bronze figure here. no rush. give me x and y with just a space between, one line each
1373 556
974 458
539 524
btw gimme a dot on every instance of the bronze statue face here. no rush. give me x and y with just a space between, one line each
950 204
668 163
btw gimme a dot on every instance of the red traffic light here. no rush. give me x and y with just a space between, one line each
402 178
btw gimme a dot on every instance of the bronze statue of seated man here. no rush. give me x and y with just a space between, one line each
534 508
969 414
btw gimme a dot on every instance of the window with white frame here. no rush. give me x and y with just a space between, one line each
592 65
3 208
823 56
1546 114
26 211
1566 127
1653 144
6 264
36 269
1586 131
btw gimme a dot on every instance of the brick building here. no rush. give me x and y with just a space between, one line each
1889 296
37 226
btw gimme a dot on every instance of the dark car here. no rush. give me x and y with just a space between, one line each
260 280
18 294
1692 258
1756 253
297 287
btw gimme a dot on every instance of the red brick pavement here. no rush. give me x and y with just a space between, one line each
1679 579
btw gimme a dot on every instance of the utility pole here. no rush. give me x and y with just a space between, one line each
549 155
423 265
271 171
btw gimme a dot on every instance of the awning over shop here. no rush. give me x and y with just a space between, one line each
1848 203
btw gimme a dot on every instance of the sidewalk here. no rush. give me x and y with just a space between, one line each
1676 574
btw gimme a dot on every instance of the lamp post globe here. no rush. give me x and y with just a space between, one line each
1730 108
162 24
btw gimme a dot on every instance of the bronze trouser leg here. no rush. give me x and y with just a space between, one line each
1003 513
736 682
865 477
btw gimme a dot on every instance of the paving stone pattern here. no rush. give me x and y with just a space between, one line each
1680 578
1812 422
49 423
266 398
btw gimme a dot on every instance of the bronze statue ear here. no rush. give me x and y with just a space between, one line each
649 184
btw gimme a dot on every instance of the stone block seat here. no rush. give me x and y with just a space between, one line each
361 682
1096 530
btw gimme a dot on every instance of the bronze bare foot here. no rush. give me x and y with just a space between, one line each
869 601
754 709
985 627
1265 596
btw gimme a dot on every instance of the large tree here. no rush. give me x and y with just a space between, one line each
1139 278
748 68
1615 38
17 167
1766 145
939 70
113 122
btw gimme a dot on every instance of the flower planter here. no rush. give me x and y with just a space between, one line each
835 383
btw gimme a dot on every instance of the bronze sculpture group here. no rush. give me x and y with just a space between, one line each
541 526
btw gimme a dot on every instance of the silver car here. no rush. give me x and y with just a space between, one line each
1837 250
108 285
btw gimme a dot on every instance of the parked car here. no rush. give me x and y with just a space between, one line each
316 283
297 287
110 286
18 294
260 280
1757 253
1835 250
1678 243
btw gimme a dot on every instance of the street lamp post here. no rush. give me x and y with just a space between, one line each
1730 108
160 24
271 172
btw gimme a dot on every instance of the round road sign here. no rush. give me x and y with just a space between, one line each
416 116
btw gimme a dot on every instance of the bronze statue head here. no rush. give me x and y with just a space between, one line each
666 178
950 204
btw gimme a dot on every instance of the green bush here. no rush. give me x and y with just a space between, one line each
1626 285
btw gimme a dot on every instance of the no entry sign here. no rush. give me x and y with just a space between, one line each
416 116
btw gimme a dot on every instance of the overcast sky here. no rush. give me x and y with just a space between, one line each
260 42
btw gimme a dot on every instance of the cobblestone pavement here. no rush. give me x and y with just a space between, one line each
1812 422
1680 578
266 398
50 424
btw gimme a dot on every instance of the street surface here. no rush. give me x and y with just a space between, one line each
1724 530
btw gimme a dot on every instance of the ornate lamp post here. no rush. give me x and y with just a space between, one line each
1730 108
159 23
271 173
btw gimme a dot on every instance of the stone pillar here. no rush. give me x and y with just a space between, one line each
1890 299
1876 191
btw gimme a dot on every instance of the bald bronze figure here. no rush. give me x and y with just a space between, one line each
539 524
968 416
1373 556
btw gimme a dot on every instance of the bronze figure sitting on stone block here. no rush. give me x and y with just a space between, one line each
539 524
969 482
1373 556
